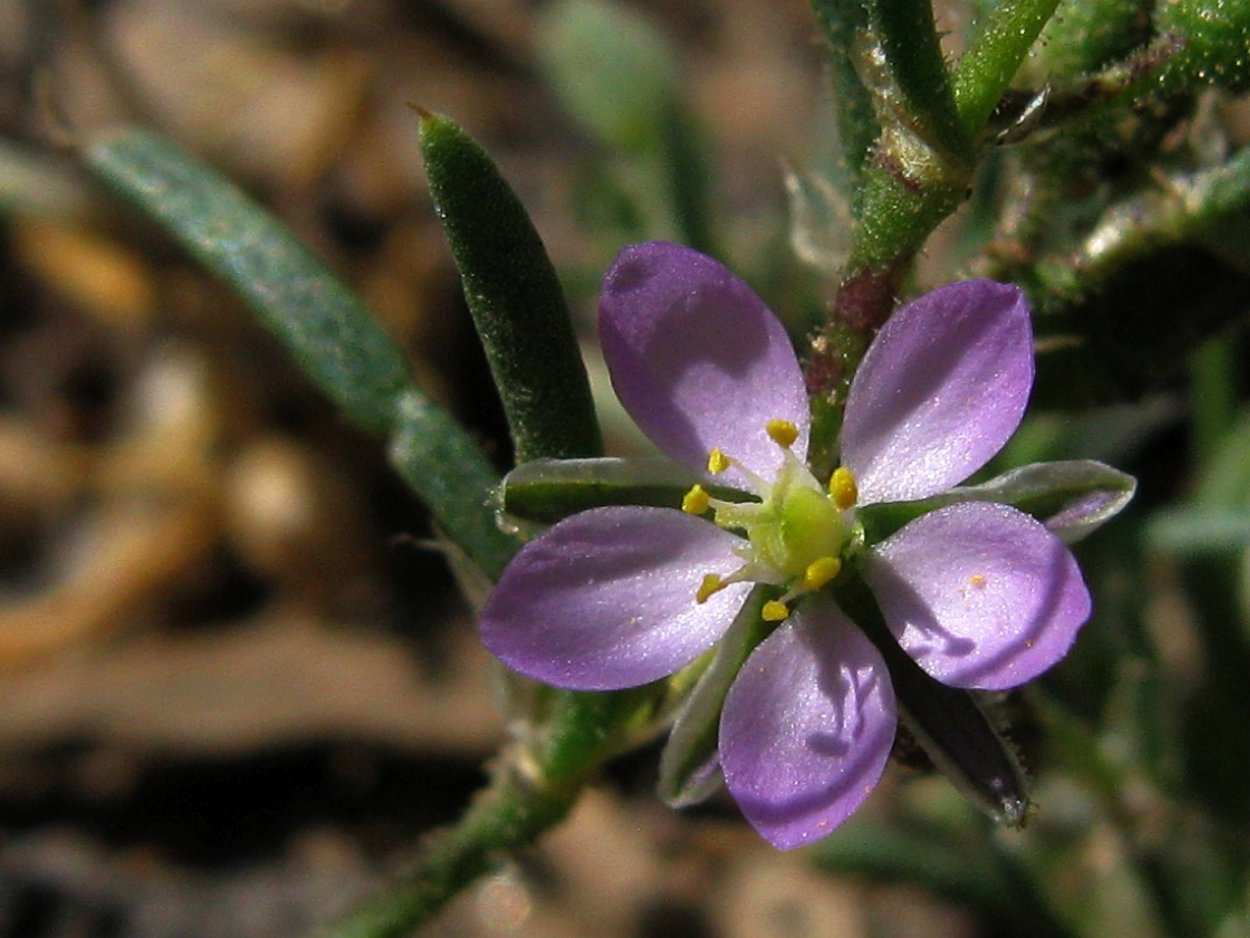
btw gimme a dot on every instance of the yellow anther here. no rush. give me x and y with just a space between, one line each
711 585
843 488
819 572
775 611
977 580
782 432
717 462
696 501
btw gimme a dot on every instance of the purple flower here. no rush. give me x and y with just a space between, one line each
980 594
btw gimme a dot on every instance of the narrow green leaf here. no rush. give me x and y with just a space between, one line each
325 327
689 167
43 185
514 296
546 490
1224 479
841 21
611 69
329 331
1003 37
1084 36
618 76
985 878
1213 393
914 56
452 475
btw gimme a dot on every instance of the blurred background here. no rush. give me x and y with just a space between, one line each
237 682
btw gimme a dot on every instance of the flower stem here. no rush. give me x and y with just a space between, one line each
532 789
511 813
919 172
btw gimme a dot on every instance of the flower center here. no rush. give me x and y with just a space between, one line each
795 534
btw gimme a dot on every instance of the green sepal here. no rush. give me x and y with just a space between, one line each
514 297
689 764
544 491
948 723
1073 498
583 729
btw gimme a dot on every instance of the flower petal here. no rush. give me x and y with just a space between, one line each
940 390
807 727
606 599
981 595
697 359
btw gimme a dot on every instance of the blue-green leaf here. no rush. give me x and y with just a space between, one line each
331 333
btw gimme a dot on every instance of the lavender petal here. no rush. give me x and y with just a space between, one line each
807 727
940 390
980 595
697 359
606 599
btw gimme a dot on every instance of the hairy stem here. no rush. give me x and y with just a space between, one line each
511 813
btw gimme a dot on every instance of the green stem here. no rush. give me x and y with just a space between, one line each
1003 39
532 789
912 184
509 814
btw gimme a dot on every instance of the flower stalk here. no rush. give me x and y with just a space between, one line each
920 169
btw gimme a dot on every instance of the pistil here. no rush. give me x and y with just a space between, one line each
793 536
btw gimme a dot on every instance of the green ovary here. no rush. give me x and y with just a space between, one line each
803 528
